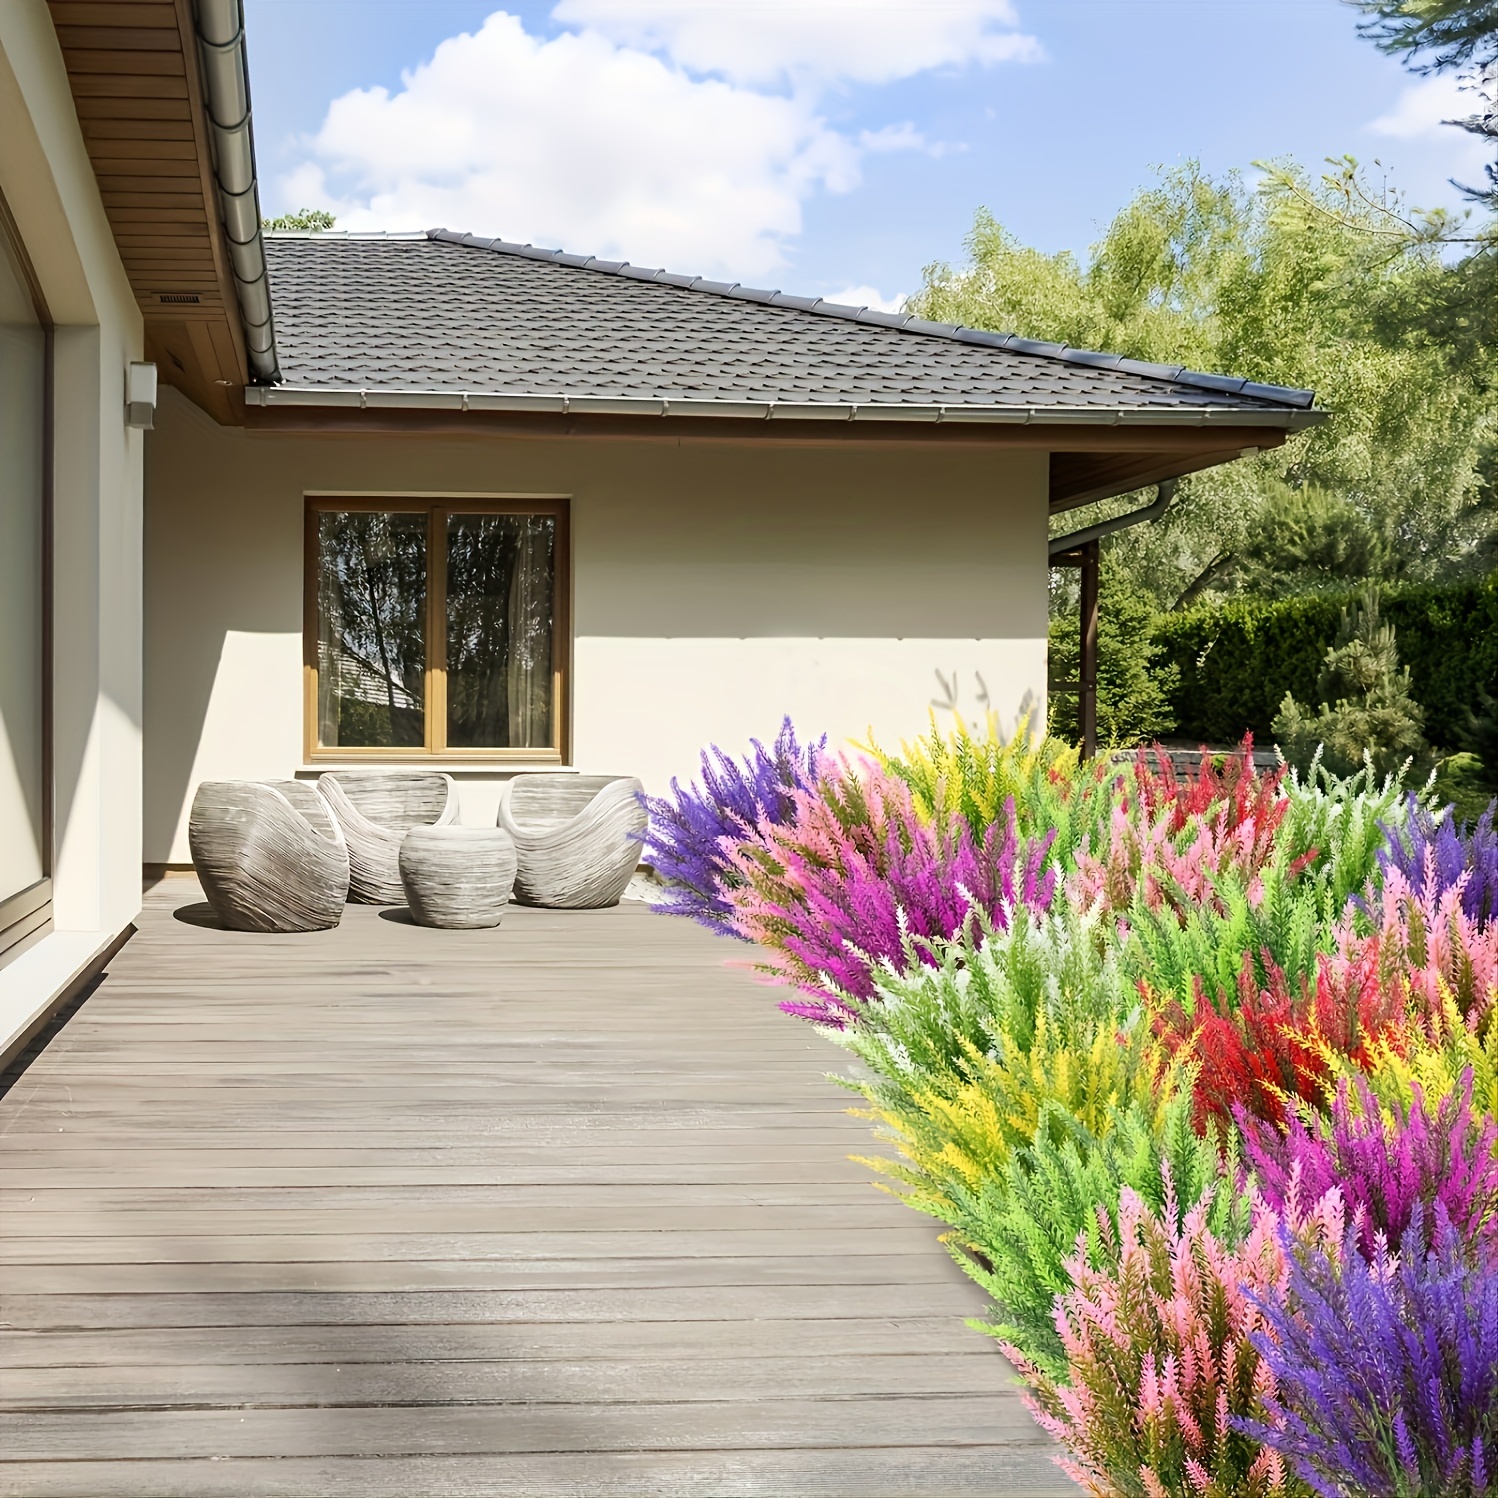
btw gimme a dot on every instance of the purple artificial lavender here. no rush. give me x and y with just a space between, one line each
1385 1372
1448 851
685 839
1388 1169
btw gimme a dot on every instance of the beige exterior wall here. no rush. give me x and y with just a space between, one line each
49 184
715 588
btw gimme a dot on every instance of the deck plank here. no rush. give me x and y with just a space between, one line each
565 1208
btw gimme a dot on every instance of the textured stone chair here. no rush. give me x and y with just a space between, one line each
376 811
269 855
576 837
457 877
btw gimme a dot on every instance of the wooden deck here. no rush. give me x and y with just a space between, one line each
561 1209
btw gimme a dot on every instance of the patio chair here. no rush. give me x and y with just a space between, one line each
376 811
576 838
269 855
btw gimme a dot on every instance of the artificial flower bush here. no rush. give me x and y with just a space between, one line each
1198 1072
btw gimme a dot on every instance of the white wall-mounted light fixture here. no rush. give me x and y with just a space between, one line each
140 396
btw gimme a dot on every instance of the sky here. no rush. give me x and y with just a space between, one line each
826 147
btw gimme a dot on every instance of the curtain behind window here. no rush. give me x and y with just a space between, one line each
500 589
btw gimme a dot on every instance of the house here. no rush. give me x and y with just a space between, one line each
446 500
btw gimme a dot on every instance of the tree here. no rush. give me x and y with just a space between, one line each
1133 684
312 220
1301 282
1447 36
1309 539
1366 707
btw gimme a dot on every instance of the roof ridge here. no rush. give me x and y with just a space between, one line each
1175 374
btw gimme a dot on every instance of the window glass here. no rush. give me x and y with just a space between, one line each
500 587
22 377
371 642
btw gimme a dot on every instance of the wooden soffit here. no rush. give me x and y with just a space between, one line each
133 67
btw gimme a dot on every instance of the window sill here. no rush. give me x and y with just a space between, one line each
458 769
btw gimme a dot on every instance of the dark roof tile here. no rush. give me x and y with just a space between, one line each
450 312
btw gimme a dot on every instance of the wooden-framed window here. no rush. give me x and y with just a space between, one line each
436 626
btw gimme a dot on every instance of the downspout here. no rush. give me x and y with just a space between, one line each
1164 493
1080 548
226 81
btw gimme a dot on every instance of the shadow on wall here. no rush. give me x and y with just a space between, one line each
222 605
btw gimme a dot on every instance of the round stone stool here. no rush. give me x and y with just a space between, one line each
457 877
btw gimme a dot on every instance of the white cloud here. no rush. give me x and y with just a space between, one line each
868 296
905 137
771 41
1426 153
1422 108
581 143
616 139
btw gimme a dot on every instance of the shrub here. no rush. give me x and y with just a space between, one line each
1280 924
1388 1166
1163 1362
1136 681
1366 708
1236 661
685 841
855 879
1383 1374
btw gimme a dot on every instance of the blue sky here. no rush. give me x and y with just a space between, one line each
817 145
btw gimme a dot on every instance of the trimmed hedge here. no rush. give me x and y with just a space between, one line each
1238 660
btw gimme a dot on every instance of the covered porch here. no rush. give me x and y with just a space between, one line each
562 1208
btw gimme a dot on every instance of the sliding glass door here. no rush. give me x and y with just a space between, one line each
24 855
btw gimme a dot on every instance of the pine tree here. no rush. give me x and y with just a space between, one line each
1366 705
1134 682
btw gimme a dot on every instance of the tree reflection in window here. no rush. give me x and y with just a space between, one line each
500 588
371 647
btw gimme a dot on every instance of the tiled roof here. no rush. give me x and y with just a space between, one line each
446 319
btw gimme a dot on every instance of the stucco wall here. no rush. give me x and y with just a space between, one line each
715 587
49 184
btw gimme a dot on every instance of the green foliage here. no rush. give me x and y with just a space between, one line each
312 220
1237 660
1310 539
1478 737
965 1054
1462 783
1340 824
960 774
1366 712
1439 36
1457 32
1013 1232
1299 283
1135 681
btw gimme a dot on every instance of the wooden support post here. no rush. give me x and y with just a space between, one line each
1087 672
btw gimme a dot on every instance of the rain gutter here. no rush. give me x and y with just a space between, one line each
757 410
226 83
